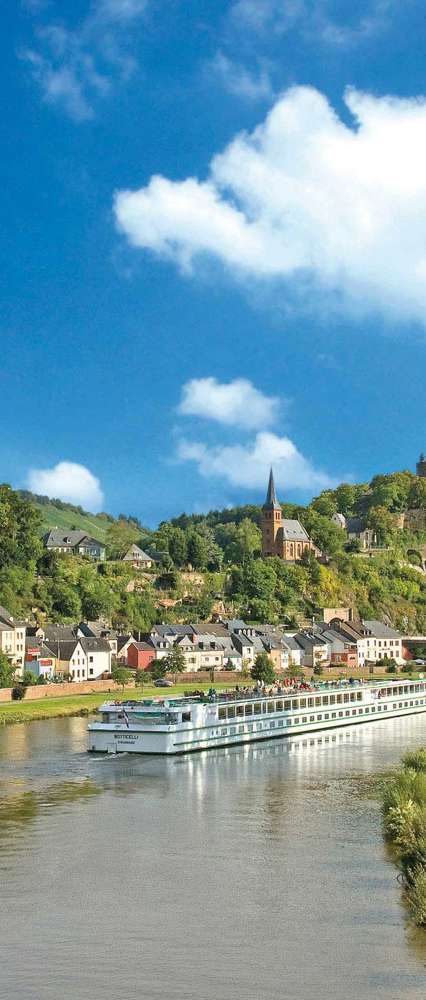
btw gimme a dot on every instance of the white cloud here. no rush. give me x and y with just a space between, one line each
75 67
70 482
247 465
315 20
334 210
237 403
238 80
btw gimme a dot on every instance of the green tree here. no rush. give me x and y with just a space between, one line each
6 671
263 669
121 675
174 663
382 522
158 669
178 547
120 536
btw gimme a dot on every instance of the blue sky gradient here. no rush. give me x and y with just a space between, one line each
99 337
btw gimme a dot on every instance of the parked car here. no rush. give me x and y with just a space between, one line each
162 683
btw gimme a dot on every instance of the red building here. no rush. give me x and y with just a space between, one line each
140 655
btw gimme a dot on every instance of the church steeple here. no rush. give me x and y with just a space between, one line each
271 519
271 501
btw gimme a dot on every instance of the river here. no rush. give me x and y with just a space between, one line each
246 874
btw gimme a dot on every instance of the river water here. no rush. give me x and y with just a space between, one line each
253 873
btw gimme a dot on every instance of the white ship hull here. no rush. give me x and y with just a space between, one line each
209 725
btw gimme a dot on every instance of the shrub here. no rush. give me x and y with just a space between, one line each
415 760
416 895
18 692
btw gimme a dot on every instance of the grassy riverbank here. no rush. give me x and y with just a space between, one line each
84 704
404 816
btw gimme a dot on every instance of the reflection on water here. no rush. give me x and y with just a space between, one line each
248 872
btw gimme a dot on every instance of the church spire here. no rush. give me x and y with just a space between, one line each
271 496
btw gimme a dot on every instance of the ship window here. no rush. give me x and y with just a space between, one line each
240 709
339 699
310 702
319 718
257 708
248 709
231 712
379 708
272 725
333 715
347 712
222 713
287 706
325 699
359 696
271 706
311 718
340 715
186 717
353 696
317 701
304 719
354 711
332 699
367 711
346 697
279 706
280 722
303 702
295 703
240 729
327 716
233 730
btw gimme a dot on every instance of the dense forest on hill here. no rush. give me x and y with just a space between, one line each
212 561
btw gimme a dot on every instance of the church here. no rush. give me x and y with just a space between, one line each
282 536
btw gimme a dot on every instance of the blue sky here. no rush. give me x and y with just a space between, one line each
212 248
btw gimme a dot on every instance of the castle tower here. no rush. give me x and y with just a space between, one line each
271 519
421 466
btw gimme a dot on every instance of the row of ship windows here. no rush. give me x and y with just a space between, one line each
303 720
289 704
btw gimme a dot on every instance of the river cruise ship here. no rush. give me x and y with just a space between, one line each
199 722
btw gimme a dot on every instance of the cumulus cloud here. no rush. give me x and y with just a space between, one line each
237 403
306 199
247 465
74 67
70 482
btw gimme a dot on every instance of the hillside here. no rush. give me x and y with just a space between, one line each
58 514
213 562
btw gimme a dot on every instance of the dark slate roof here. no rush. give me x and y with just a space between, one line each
72 538
95 645
121 641
293 531
380 630
306 639
271 501
136 551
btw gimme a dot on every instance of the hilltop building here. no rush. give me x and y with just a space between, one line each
421 466
282 536
74 542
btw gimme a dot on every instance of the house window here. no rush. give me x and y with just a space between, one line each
90 659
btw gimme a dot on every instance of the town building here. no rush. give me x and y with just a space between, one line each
281 536
12 639
76 543
140 655
138 558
